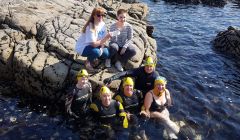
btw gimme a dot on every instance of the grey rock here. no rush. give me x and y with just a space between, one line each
37 40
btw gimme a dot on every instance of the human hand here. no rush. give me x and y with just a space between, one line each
123 51
107 81
101 51
145 114
114 33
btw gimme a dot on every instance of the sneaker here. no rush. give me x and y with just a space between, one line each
95 63
89 66
108 63
118 65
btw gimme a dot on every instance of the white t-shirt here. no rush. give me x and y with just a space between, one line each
90 36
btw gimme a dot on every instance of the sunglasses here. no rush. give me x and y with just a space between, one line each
100 15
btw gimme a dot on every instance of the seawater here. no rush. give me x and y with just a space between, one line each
204 83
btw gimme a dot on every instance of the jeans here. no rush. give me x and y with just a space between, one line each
93 53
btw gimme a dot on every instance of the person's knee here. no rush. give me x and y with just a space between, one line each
114 47
96 53
105 53
131 51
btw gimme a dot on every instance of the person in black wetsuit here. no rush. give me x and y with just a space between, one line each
144 76
80 96
131 100
156 102
110 115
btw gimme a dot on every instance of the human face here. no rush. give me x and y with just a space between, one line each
128 90
106 99
149 68
160 87
99 17
83 80
122 17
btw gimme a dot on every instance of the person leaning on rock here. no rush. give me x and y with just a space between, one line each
91 43
144 76
121 49
80 96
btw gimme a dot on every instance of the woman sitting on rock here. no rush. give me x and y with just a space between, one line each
121 45
156 102
80 96
94 35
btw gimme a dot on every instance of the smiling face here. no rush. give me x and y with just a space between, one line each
122 17
106 99
160 87
98 17
82 80
149 68
128 90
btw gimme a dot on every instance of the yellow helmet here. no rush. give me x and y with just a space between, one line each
104 90
160 80
128 81
149 61
82 73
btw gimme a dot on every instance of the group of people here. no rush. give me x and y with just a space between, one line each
92 41
127 110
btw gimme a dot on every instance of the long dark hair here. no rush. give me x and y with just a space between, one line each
97 10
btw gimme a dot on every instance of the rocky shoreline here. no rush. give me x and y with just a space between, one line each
38 39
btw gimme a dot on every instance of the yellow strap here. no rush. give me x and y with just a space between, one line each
119 98
120 106
143 107
125 120
94 107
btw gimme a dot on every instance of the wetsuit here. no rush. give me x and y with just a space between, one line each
78 100
112 116
159 108
143 80
131 104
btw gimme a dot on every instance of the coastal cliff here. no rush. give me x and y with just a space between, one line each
37 40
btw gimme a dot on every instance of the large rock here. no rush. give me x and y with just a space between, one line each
217 3
228 41
38 40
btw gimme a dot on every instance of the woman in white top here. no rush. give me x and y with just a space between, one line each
91 42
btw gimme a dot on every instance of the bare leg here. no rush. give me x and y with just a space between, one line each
170 126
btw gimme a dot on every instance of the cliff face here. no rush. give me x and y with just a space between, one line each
37 40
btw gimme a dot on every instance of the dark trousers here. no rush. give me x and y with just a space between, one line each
115 50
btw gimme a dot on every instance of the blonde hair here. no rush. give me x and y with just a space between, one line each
97 10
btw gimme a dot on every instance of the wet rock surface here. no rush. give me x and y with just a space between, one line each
37 40
228 41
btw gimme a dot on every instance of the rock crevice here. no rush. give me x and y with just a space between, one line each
37 41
